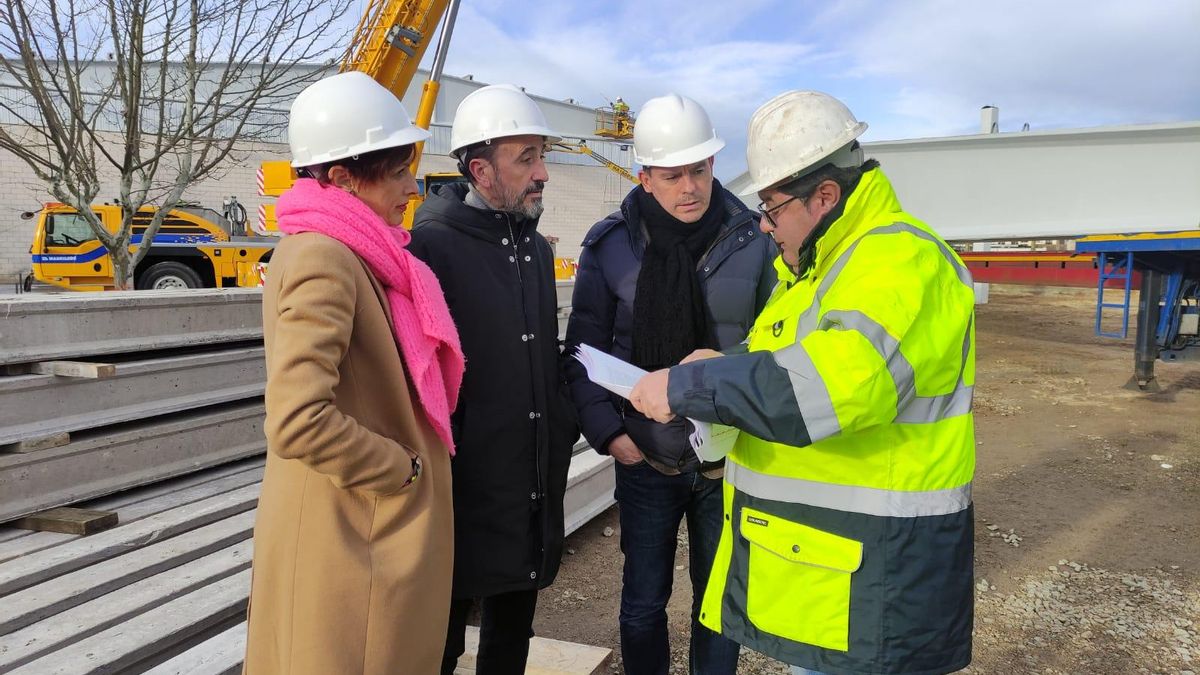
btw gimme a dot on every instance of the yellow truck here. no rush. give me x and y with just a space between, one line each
196 247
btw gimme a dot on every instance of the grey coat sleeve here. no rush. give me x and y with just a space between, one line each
748 391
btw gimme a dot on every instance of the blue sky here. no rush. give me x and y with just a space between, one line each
911 68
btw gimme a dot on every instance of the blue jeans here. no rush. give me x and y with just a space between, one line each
651 507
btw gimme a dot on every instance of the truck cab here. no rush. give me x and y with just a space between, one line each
195 247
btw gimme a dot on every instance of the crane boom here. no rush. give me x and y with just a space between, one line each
581 147
391 38
389 42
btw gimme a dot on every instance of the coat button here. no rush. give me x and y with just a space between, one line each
532 415
512 259
533 496
527 258
741 239
705 269
538 415
533 575
795 548
680 463
504 241
526 239
524 338
531 336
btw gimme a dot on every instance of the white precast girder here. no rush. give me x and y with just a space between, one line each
1045 184
1049 184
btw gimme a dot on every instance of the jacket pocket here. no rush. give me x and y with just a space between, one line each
799 580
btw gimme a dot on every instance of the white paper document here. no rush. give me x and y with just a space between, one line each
710 442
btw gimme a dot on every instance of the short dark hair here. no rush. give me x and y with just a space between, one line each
483 150
846 177
369 167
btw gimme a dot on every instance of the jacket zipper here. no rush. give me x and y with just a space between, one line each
704 258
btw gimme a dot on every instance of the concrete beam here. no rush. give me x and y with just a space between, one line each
44 327
128 457
34 406
590 486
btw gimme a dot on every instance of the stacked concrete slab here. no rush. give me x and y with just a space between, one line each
159 384
166 590
149 405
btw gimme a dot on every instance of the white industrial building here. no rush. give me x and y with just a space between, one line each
580 191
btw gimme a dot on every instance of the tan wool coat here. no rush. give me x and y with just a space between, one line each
352 568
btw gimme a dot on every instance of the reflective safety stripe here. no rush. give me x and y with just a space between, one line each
815 403
808 320
850 498
888 347
812 396
929 409
911 409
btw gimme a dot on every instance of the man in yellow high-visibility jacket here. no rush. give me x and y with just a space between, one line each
848 534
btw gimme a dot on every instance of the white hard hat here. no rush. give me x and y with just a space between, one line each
346 115
497 111
797 132
674 130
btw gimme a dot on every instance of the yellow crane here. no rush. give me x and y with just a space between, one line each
203 248
389 42
580 147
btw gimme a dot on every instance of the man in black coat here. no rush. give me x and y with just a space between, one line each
682 266
514 426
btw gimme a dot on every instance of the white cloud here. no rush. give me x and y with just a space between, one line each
1066 63
912 68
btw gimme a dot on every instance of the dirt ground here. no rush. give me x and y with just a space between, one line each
1087 494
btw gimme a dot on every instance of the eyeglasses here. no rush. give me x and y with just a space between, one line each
766 212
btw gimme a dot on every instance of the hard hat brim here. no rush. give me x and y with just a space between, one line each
402 137
697 153
807 166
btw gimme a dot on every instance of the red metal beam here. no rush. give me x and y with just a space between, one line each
1037 268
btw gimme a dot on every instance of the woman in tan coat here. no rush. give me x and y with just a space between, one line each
354 534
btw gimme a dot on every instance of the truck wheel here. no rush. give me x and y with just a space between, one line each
168 275
27 283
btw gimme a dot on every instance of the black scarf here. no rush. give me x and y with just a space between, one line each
669 316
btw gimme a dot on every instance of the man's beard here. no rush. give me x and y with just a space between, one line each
515 203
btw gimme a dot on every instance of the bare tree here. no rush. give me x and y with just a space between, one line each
158 93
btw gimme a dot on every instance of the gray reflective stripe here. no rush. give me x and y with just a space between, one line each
812 396
808 320
850 498
911 409
927 409
811 392
888 347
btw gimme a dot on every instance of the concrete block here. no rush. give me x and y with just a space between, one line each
44 327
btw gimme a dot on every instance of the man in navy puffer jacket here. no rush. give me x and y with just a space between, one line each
682 266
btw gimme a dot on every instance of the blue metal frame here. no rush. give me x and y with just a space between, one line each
1120 268
1168 318
1146 244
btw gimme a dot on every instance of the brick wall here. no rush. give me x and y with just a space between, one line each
576 197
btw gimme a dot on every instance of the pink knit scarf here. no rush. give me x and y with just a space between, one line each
423 328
